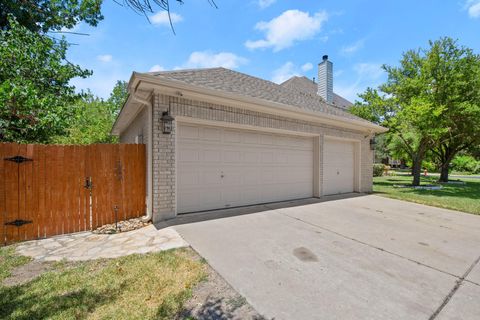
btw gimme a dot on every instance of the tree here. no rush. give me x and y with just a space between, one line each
42 16
455 78
34 85
429 100
93 118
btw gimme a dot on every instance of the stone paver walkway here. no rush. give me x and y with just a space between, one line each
87 246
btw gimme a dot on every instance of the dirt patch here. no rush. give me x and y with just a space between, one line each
27 272
215 299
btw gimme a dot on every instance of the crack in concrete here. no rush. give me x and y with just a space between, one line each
445 301
454 290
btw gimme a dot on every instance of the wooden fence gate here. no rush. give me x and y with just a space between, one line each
47 190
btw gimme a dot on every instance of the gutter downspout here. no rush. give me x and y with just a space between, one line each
148 104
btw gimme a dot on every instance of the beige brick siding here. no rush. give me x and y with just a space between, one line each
164 173
137 129
164 169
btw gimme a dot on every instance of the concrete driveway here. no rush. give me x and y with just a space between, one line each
364 257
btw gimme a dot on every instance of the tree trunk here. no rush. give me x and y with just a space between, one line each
416 171
444 172
445 160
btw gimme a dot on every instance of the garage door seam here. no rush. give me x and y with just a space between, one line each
371 246
454 290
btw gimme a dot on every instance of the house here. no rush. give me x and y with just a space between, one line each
218 138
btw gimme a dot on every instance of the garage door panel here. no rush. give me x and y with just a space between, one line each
209 177
257 167
338 167
211 134
189 178
211 155
189 132
189 154
232 156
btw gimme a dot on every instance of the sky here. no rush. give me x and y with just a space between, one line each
270 39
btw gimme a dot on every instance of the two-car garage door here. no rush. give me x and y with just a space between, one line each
221 168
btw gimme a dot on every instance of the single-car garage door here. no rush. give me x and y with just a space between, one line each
338 166
221 168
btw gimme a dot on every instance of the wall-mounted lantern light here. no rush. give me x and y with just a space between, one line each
167 122
372 143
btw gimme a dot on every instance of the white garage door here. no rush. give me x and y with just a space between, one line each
338 167
221 168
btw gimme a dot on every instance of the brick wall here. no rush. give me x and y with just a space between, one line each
164 169
136 130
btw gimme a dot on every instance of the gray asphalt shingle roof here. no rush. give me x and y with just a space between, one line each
230 81
306 85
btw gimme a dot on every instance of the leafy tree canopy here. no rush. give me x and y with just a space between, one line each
34 85
49 15
93 118
430 101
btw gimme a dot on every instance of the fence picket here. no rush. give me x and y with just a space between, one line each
50 192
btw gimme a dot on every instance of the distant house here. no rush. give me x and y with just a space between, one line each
218 138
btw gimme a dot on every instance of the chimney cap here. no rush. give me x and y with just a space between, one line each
325 58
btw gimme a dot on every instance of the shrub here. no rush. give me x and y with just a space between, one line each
465 163
378 169
430 166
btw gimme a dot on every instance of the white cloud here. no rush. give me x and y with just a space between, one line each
365 75
103 79
156 68
265 3
285 72
473 8
307 66
161 18
105 57
352 48
369 70
287 29
208 59
288 70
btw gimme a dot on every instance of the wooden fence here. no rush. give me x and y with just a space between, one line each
47 190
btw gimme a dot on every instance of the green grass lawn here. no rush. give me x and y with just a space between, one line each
151 286
9 260
464 198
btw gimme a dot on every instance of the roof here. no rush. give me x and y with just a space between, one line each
306 85
234 82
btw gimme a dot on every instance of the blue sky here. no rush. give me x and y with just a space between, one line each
270 39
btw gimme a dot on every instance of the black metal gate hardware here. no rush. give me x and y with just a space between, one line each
18 223
18 159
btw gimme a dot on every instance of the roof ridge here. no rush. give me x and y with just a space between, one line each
155 73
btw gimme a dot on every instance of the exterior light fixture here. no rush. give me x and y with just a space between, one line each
167 122
372 143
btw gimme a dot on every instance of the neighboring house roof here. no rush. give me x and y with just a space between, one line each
305 85
234 82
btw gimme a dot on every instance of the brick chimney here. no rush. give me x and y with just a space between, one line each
325 79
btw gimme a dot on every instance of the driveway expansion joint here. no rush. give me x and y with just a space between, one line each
454 289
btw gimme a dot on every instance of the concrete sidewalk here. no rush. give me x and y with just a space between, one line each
88 246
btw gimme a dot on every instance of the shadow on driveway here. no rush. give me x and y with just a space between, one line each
200 216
